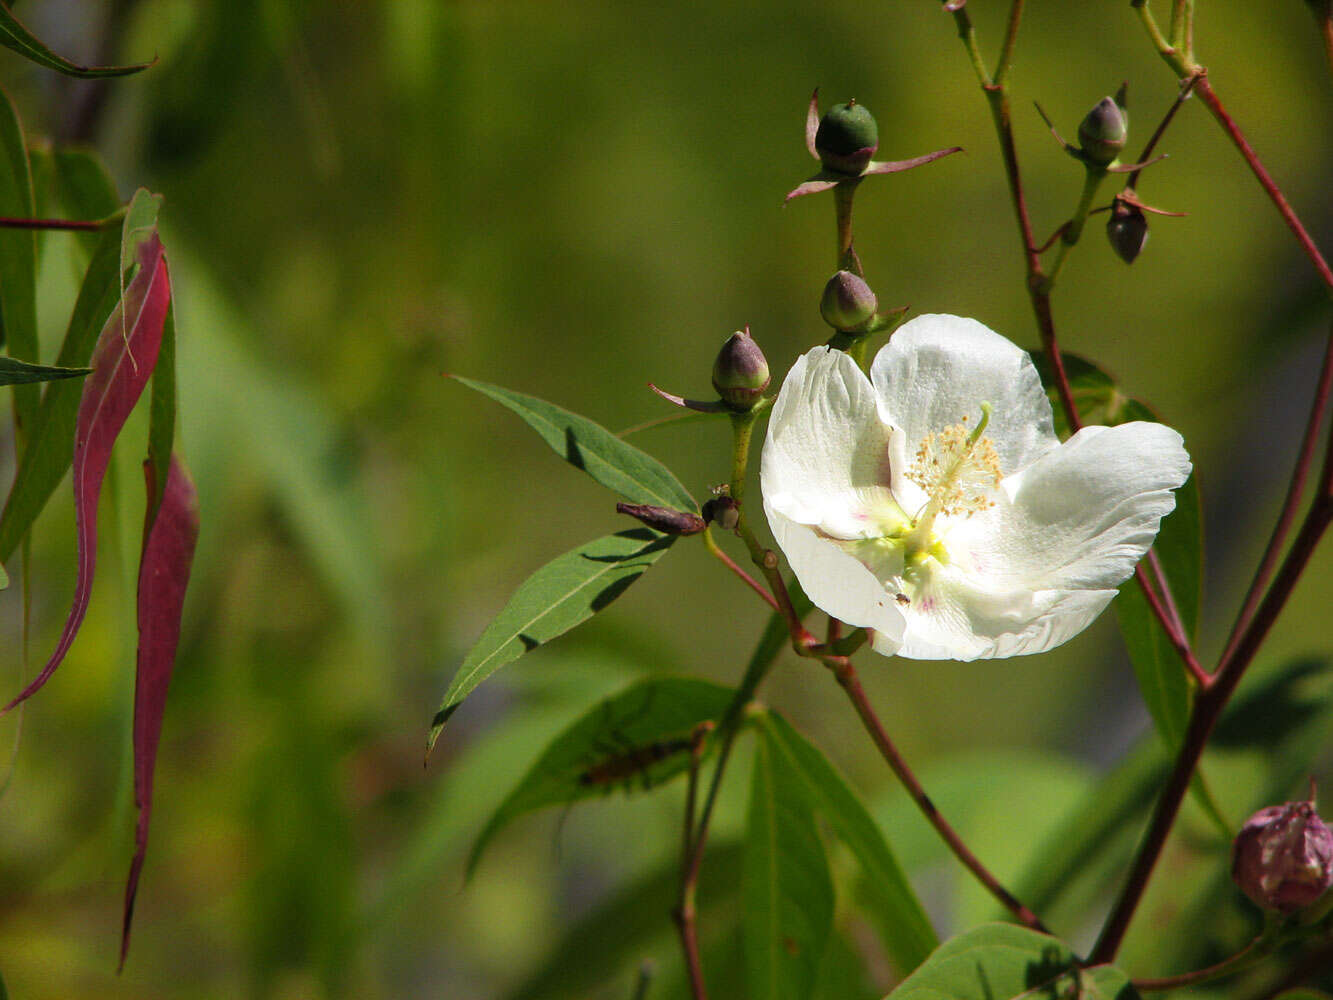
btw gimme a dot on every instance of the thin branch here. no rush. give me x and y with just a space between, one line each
74 225
1290 505
689 868
846 675
1257 948
1162 127
1209 97
726 560
1006 59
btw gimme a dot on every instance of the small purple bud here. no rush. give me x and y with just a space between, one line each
664 519
1283 857
722 511
1103 132
847 303
847 138
740 373
1127 229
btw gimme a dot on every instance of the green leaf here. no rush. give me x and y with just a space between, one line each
907 933
51 433
621 930
18 258
638 738
13 35
1005 962
620 467
562 594
785 885
85 190
14 372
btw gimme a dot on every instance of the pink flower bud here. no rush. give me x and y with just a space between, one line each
1283 857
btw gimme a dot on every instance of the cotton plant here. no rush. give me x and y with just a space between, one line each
935 491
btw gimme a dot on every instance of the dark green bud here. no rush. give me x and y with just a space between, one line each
664 519
847 303
847 138
1103 132
740 373
1127 229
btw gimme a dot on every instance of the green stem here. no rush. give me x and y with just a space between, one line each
969 37
1073 229
842 201
1010 38
1182 64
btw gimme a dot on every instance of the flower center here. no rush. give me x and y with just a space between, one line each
958 469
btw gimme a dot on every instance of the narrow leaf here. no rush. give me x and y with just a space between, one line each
639 738
15 372
621 467
907 932
162 411
1005 962
85 190
51 439
785 885
13 35
122 364
164 572
18 258
562 594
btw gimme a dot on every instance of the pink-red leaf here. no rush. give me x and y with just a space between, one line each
122 362
164 572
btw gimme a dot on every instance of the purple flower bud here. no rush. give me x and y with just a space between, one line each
722 511
1127 229
847 303
1283 857
664 519
1103 132
740 373
847 138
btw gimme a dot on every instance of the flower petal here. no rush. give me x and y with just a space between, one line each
837 583
825 460
953 618
937 369
1083 515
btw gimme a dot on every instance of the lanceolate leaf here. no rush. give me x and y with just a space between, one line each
634 474
638 739
164 570
1005 962
13 35
907 933
18 258
15 372
51 437
122 363
565 592
162 412
785 885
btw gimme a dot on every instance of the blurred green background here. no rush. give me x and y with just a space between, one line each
574 199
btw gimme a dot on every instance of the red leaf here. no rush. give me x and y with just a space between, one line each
164 572
124 358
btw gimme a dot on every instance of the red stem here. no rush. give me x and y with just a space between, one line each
8 222
1209 97
1290 505
846 674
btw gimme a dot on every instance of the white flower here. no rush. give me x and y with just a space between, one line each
934 504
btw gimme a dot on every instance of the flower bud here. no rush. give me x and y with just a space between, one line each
740 373
847 303
1127 229
722 511
1103 131
1283 857
664 519
847 138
